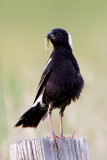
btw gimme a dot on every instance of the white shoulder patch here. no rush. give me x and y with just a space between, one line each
48 61
70 40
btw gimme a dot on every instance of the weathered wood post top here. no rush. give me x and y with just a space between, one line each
45 149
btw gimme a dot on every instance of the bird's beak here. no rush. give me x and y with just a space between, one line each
50 35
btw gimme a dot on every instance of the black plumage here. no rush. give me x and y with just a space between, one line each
61 82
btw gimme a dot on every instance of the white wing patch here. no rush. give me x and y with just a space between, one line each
39 100
48 61
70 41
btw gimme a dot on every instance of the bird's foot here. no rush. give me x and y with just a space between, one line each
60 136
55 139
73 135
63 137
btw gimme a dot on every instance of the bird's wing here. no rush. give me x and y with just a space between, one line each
44 78
75 63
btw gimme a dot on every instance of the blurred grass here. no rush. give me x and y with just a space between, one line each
3 120
23 25
15 88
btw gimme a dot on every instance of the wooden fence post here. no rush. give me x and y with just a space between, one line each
45 149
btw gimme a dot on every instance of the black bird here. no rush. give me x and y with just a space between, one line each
60 83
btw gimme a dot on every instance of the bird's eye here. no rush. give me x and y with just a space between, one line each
59 34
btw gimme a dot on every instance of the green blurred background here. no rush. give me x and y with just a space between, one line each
23 26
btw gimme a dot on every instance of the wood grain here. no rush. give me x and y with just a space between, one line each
46 149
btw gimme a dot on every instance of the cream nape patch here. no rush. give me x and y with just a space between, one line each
70 41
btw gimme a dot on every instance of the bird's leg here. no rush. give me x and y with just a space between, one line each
61 123
50 119
61 126
52 129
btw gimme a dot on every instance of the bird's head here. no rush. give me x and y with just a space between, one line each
60 38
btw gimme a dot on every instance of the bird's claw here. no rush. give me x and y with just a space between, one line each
63 137
55 137
73 135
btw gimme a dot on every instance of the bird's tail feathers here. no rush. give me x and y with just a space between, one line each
32 117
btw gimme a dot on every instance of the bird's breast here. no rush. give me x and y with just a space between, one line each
61 79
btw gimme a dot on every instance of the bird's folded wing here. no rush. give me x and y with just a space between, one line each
75 64
44 78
